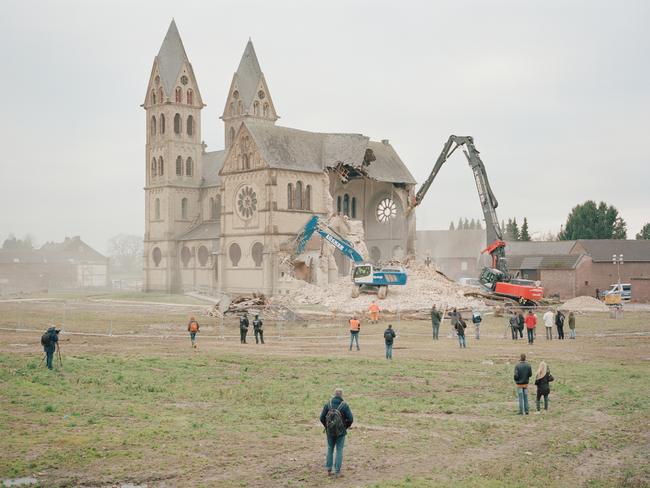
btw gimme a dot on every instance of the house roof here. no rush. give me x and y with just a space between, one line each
601 250
212 164
530 248
446 244
553 261
205 231
72 250
388 166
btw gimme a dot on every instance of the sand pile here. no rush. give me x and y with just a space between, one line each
423 288
584 304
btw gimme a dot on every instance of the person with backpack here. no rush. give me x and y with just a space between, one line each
572 325
243 328
193 328
521 322
559 323
436 317
389 336
542 379
460 331
531 323
476 320
355 327
336 417
258 329
50 341
523 372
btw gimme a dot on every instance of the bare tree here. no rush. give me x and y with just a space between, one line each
125 251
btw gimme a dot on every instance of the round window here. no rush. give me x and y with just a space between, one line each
260 94
235 94
203 255
246 202
386 210
156 255
184 80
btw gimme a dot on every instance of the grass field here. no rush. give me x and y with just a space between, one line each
141 407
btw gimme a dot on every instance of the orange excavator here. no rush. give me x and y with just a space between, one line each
496 278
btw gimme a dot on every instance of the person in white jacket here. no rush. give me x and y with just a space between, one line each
548 318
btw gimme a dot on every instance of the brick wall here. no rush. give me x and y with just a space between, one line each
559 281
640 289
603 275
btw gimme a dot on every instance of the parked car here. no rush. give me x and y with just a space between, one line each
622 289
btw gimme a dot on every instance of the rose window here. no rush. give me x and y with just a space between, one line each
246 202
386 210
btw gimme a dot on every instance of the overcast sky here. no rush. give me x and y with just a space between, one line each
555 93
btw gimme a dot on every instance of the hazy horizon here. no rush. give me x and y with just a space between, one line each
556 96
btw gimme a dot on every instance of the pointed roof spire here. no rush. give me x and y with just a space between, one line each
171 58
248 74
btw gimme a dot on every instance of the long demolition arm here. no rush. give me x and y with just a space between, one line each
315 225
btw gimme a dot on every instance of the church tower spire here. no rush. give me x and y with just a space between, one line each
248 97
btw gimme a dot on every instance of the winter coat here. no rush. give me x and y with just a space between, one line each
559 319
514 322
345 410
257 324
435 317
523 372
542 384
389 335
572 321
531 321
460 327
521 321
243 323
476 319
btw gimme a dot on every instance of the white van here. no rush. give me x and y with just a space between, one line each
623 289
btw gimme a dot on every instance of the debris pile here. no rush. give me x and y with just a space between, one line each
584 304
256 303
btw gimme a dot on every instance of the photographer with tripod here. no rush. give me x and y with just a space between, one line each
50 342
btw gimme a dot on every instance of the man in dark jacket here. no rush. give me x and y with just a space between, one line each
514 325
436 316
258 329
50 341
460 332
559 323
340 412
523 372
243 328
521 322
389 336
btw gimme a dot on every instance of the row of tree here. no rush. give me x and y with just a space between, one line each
512 232
466 224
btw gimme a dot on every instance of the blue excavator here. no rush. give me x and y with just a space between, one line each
365 276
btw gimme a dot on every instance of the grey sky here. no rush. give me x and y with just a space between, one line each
556 94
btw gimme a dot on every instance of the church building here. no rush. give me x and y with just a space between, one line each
219 221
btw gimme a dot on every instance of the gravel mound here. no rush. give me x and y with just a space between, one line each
584 304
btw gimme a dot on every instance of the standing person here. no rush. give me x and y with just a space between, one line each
476 320
523 372
460 331
193 328
572 326
355 327
521 322
542 379
531 323
50 341
374 312
559 323
243 328
514 325
389 336
336 417
548 324
436 317
258 329
455 317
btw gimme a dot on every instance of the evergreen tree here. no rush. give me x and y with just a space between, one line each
460 224
451 225
524 235
472 224
466 224
645 232
512 230
479 226
591 221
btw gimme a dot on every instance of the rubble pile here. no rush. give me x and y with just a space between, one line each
584 304
256 303
425 286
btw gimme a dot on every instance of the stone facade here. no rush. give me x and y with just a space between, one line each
218 221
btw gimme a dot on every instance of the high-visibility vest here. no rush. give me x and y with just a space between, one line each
374 308
354 325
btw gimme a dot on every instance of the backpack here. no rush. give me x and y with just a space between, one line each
194 327
334 422
46 339
388 335
559 320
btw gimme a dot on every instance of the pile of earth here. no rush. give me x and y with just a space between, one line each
584 304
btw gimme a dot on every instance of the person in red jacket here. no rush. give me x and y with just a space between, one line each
531 323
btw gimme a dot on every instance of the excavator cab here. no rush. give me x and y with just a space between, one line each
363 274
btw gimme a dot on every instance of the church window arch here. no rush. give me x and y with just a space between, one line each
161 166
184 208
156 255
190 97
240 108
232 108
346 204
256 108
290 196
308 197
203 255
153 126
257 253
338 204
232 135
217 207
179 94
162 123
213 213
189 167
353 210
179 166
247 161
190 125
160 95
157 209
298 195
186 255
265 110
153 97
177 124
234 252
154 167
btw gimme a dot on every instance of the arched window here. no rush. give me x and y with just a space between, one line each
189 167
162 123
234 252
154 167
186 255
256 108
240 108
190 125
161 166
156 256
232 108
338 204
153 97
290 196
232 135
308 197
160 95
265 110
203 255
190 97
354 207
299 195
184 208
157 209
179 166
257 253
177 124
247 161
217 207
346 204
212 209
153 126
179 94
